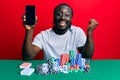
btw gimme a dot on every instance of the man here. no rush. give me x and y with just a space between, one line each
61 38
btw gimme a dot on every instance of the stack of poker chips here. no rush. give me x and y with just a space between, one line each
53 67
47 68
66 63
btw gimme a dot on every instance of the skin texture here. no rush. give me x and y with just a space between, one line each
62 20
61 23
88 49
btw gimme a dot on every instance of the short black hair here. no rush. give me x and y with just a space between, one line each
61 5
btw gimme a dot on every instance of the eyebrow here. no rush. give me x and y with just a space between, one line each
67 10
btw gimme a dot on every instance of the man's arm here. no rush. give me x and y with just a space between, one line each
88 49
28 50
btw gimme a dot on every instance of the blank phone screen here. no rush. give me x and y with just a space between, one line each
30 15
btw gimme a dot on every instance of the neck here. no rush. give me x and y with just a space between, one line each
60 31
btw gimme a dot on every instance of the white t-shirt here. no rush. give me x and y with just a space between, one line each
53 45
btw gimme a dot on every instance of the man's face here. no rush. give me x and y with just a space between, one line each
62 18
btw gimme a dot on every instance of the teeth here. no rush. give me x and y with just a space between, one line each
62 23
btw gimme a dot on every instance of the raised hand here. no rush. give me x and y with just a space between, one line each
92 25
28 27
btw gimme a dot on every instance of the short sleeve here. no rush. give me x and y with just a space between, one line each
81 38
38 41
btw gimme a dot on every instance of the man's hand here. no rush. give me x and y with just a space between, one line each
29 27
92 25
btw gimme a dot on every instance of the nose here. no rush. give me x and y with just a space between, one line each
63 16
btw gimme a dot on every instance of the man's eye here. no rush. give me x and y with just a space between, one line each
58 14
67 15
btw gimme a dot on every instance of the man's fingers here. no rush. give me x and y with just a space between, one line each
93 21
36 18
24 17
27 27
92 24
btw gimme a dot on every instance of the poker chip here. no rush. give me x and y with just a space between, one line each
65 64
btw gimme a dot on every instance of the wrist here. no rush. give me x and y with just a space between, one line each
29 31
89 34
89 31
29 27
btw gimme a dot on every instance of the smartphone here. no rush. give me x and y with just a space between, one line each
30 14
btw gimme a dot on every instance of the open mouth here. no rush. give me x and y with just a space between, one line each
62 24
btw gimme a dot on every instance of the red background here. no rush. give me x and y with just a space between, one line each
106 35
